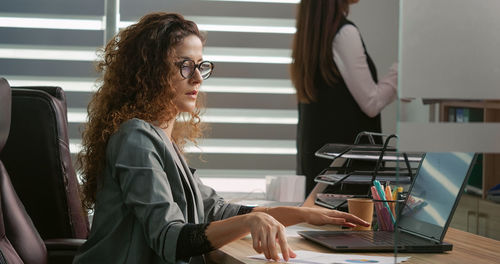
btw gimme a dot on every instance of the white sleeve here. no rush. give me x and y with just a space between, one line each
349 56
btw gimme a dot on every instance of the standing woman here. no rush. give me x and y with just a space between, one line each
338 92
149 207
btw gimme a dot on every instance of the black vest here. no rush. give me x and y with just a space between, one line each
334 118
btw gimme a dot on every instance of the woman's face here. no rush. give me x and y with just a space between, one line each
190 48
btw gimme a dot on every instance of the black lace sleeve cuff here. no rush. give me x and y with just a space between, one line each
245 210
192 241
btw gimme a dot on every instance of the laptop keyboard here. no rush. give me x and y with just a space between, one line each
377 238
387 238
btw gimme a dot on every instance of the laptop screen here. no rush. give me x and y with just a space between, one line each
433 195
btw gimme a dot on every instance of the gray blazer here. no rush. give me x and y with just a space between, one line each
146 195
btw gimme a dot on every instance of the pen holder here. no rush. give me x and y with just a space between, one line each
386 213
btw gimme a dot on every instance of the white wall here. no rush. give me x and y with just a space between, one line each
449 50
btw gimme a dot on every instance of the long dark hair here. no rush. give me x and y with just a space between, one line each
137 66
312 53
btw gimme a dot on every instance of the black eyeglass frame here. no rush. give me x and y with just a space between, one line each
180 64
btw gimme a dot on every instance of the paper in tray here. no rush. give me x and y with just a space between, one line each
354 178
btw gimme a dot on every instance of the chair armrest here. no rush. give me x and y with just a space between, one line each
62 250
63 243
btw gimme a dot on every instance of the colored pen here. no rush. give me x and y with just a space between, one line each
395 193
381 193
386 213
398 191
388 194
378 207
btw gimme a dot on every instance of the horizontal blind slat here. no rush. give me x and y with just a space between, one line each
251 105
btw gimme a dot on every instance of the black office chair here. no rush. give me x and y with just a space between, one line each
15 223
37 152
19 240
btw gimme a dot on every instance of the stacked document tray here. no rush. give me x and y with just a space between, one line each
363 164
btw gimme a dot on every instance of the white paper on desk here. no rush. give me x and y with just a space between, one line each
310 257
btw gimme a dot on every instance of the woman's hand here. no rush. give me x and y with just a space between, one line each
323 216
266 233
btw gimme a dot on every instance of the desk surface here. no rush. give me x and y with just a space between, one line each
467 248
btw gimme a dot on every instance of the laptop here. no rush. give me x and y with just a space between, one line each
426 214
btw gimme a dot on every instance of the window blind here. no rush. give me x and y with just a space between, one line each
251 108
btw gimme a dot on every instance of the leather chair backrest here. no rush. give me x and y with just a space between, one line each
21 243
19 240
5 109
38 160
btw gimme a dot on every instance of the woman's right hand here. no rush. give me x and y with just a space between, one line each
266 233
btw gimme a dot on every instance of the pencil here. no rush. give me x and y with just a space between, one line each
388 195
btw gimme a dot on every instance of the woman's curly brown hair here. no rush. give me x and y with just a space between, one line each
137 67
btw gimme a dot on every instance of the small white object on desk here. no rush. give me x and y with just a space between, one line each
285 188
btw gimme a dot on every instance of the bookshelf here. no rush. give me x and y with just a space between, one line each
477 214
490 110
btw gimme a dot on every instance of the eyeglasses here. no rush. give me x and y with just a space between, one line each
188 67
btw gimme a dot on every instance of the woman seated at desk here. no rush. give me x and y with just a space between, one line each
149 207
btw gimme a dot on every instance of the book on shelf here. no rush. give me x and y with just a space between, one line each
495 190
494 193
451 114
459 115
465 114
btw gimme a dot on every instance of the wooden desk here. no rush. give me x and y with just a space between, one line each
467 248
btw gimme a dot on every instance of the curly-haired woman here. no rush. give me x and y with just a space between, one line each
149 207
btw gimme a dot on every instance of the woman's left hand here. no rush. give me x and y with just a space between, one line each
323 216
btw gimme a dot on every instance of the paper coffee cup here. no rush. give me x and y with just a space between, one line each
362 208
